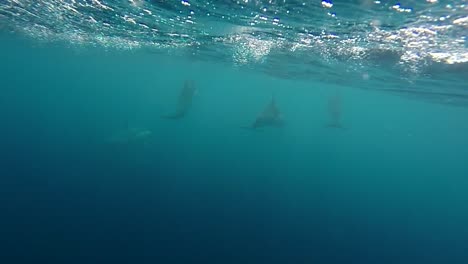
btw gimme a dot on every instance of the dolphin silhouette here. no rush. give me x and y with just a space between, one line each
270 116
184 101
131 135
334 110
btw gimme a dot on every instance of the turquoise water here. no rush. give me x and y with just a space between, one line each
91 172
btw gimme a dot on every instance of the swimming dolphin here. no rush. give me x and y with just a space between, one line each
334 110
270 116
184 101
130 136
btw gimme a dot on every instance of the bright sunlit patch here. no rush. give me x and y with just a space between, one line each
129 19
71 8
327 4
450 58
276 21
400 9
249 49
461 21
92 19
102 6
136 3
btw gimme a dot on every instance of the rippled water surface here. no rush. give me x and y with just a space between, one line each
407 43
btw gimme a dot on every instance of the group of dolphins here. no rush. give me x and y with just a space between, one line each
270 116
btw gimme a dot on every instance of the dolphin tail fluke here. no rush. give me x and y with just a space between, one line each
334 126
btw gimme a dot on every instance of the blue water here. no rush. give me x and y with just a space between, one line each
91 173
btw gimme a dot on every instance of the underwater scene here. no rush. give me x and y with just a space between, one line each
225 131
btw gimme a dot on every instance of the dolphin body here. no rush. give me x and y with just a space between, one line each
130 136
269 117
184 101
334 109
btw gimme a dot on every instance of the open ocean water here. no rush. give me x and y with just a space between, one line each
251 131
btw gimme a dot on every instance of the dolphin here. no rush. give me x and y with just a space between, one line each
270 116
184 101
130 136
334 110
